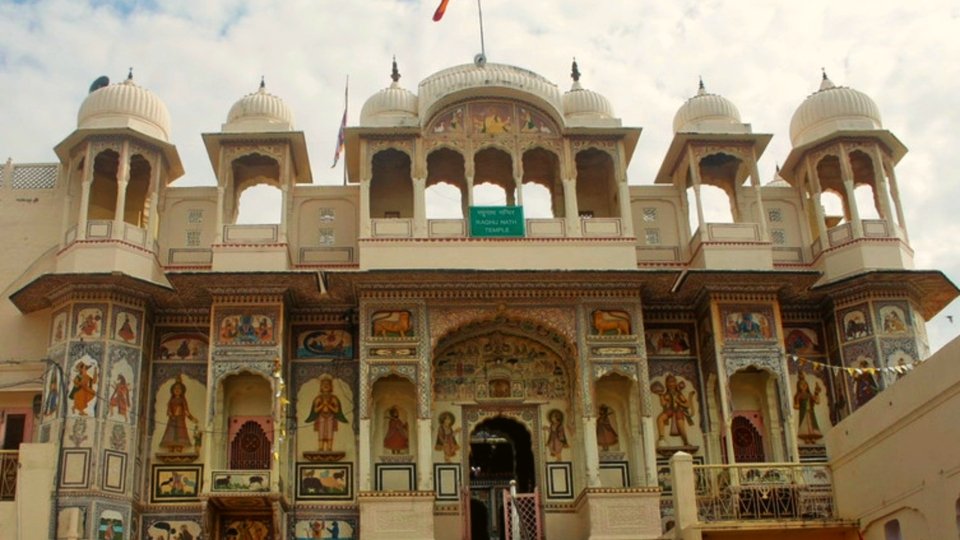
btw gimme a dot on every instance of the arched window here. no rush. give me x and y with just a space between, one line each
891 530
259 205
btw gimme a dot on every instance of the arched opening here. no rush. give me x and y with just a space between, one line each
891 530
596 184
717 205
391 185
259 204
103 190
833 210
136 209
247 421
493 167
446 185
756 426
542 189
865 179
255 190
615 401
866 201
394 437
501 450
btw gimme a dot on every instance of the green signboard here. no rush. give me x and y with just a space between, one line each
496 221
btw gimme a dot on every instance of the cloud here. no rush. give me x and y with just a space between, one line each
200 57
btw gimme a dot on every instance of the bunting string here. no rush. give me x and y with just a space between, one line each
899 369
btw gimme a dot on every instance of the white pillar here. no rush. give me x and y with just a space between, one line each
419 208
284 210
365 226
846 173
649 450
123 178
895 192
219 232
755 182
695 178
85 193
590 451
571 208
424 455
813 180
626 219
364 465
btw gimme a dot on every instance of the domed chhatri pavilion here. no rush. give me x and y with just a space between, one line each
366 367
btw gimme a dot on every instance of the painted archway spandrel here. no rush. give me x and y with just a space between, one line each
275 151
443 321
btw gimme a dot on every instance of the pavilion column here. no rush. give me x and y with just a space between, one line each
813 181
220 198
880 181
424 455
623 193
895 192
846 173
123 178
570 207
466 197
695 178
419 208
85 186
649 442
285 181
590 451
755 182
365 225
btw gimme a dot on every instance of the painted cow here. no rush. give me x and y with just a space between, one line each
391 322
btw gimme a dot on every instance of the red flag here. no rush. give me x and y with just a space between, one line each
438 14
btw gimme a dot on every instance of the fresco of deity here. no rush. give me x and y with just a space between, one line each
557 435
893 322
606 433
865 385
326 414
52 403
678 409
120 399
805 402
125 329
447 436
397 438
176 436
84 389
89 323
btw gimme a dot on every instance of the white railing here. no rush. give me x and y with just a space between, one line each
755 491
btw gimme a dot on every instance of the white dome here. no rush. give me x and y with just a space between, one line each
580 104
392 106
125 105
831 109
706 113
259 111
488 80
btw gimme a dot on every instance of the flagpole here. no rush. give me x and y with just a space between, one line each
483 49
346 102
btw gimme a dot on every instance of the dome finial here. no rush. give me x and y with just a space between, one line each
575 71
395 73
130 74
263 83
701 89
825 82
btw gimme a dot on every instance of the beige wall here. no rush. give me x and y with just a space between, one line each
897 457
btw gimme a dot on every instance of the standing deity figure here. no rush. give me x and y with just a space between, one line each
326 414
805 401
606 433
176 437
397 439
678 409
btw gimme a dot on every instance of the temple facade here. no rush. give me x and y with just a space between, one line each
394 355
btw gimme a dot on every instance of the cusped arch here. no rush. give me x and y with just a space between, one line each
465 99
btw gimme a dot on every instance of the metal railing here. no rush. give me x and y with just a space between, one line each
9 463
762 491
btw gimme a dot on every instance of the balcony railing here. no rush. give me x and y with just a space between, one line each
9 463
764 491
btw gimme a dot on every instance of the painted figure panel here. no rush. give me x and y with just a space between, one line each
811 403
247 528
178 417
492 118
172 529
89 322
314 342
749 323
898 356
669 341
610 322
678 397
324 481
183 346
803 341
121 392
556 434
893 318
392 324
84 386
446 440
326 405
864 383
110 526
246 328
176 483
855 322
51 397
59 327
397 432
324 528
499 365
126 326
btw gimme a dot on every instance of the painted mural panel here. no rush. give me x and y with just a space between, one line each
176 483
58 330
557 441
899 354
51 396
126 325
673 340
85 384
678 422
392 324
171 528
318 342
248 528
803 341
605 322
178 413
120 390
89 321
324 528
864 384
183 346
492 118
893 318
747 322
811 402
325 412
445 442
855 322
246 327
110 526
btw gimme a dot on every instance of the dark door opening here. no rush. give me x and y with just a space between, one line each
501 450
14 432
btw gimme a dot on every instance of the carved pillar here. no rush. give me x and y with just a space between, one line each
364 465
880 181
284 209
419 208
623 193
695 178
649 442
424 455
755 182
846 172
220 202
123 178
895 192
570 207
590 452
365 226
813 180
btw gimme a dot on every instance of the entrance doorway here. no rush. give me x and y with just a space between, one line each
501 450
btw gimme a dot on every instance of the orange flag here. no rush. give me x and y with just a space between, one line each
441 9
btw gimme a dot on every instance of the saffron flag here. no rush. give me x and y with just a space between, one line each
343 127
441 9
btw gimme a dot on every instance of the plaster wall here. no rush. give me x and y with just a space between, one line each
896 457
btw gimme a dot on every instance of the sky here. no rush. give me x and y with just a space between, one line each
645 56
